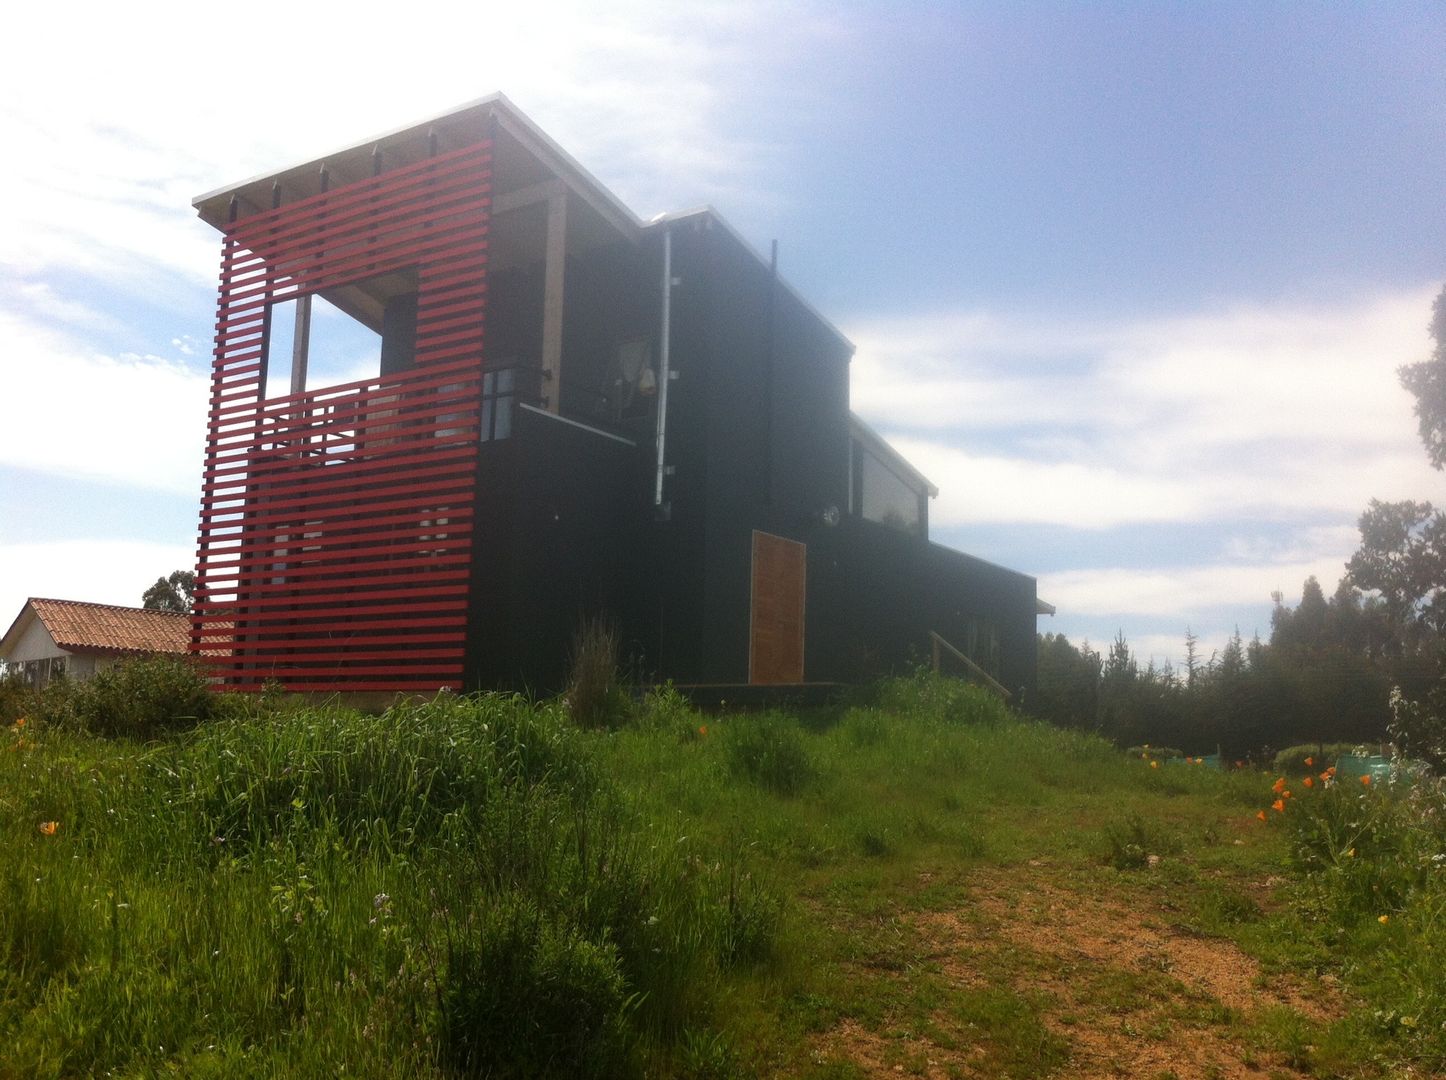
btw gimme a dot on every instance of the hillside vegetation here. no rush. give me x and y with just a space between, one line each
919 883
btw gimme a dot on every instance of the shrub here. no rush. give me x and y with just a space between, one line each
769 750
16 698
141 698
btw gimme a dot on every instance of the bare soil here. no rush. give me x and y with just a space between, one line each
1106 971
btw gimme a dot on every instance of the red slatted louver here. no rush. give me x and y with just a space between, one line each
336 524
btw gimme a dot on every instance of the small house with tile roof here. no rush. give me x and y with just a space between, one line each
50 638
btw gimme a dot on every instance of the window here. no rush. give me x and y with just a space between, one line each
884 496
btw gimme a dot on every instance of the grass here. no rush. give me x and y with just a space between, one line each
481 887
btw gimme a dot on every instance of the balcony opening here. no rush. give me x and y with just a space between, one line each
347 334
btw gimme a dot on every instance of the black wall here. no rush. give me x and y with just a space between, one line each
757 438
757 435
560 536
874 593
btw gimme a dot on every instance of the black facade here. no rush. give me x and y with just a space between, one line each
757 441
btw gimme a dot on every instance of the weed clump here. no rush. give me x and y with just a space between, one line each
595 696
927 696
527 995
768 749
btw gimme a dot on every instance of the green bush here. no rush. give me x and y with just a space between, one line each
769 750
141 698
17 700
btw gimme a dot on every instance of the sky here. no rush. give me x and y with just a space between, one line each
1128 282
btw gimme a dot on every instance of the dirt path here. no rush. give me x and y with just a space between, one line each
1038 974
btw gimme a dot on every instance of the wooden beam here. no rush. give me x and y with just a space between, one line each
301 344
978 672
554 273
526 196
557 162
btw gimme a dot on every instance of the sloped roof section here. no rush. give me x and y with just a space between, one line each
82 627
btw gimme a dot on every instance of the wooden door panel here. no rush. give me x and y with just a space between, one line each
775 646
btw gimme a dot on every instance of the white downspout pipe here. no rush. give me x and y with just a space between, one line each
664 372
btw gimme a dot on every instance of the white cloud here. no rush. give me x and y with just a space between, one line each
1183 592
1253 413
655 100
100 571
134 421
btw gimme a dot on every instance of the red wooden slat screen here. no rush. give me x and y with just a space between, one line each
336 524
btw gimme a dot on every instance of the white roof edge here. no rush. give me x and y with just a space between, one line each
579 178
857 423
361 144
707 209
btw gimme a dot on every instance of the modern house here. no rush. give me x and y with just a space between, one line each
74 639
464 399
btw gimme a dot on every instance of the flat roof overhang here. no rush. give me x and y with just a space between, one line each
524 161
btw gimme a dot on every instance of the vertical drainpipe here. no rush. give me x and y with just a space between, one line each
664 372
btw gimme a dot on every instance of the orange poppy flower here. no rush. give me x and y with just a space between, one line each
1278 806
1310 761
49 828
1261 815
1278 786
20 722
1308 782
703 730
1366 780
1154 764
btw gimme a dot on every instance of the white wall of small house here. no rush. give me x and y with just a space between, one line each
35 643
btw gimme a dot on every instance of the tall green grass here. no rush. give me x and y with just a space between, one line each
482 887
283 891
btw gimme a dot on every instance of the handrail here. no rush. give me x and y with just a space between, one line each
989 680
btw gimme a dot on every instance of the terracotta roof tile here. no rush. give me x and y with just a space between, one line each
77 626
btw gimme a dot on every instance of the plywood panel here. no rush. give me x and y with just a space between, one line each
775 648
